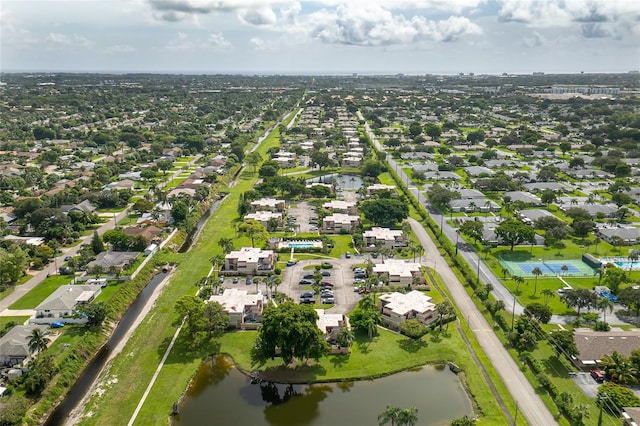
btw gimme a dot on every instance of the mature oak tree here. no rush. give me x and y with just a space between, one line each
514 232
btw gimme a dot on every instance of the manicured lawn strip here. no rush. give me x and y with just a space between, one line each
40 292
18 320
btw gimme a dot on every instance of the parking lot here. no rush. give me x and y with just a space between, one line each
303 212
341 277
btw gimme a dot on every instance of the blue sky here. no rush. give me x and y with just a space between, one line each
321 36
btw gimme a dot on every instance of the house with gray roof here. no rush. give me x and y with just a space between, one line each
14 346
524 197
478 170
628 236
116 259
541 186
65 300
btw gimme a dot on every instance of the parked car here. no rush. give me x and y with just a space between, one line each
249 280
307 294
326 284
235 280
326 273
305 282
358 281
308 276
347 255
67 258
359 276
328 301
374 255
221 279
57 324
307 300
358 269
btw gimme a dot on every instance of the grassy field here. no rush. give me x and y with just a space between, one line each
41 292
108 291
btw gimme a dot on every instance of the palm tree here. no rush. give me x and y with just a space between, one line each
519 280
596 240
604 304
390 415
548 294
345 337
536 271
367 302
398 416
226 244
499 305
633 256
37 341
443 309
619 367
371 321
600 273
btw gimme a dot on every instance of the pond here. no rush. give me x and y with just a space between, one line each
219 391
344 182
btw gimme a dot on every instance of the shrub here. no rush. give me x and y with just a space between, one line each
612 397
414 329
601 326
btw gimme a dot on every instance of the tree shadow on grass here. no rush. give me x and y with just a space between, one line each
412 345
339 360
186 350
554 367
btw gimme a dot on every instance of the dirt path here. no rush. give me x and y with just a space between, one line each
76 414
529 403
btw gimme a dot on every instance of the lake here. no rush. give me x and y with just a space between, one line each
222 395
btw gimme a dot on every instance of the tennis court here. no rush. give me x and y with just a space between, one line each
566 267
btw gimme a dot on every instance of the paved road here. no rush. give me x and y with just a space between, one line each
486 275
529 403
52 268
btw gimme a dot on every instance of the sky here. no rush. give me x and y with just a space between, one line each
320 36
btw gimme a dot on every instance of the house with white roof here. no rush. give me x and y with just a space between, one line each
330 324
65 300
267 204
337 222
387 238
264 217
250 260
396 308
242 307
341 206
379 187
398 271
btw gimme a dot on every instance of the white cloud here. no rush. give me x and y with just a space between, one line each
177 10
218 41
121 48
377 26
258 17
183 42
63 39
454 6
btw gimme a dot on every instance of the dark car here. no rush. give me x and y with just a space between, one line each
359 276
326 273
347 255
305 282
235 280
308 276
374 255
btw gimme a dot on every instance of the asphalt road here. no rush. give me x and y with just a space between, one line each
529 403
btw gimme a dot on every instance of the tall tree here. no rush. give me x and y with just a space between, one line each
191 308
96 243
385 211
254 230
291 328
537 272
513 232
226 244
37 341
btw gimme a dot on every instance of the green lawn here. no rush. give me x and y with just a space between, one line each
41 292
108 291
18 320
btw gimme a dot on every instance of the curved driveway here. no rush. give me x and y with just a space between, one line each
529 403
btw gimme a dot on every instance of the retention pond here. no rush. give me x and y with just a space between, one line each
219 391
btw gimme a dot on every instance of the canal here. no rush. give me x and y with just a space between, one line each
220 393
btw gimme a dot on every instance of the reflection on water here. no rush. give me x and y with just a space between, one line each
222 395
345 182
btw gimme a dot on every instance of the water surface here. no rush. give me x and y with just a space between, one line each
221 395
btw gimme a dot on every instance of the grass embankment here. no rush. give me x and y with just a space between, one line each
16 320
132 370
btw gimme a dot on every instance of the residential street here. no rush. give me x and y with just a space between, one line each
529 403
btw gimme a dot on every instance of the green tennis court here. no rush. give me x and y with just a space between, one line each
565 267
